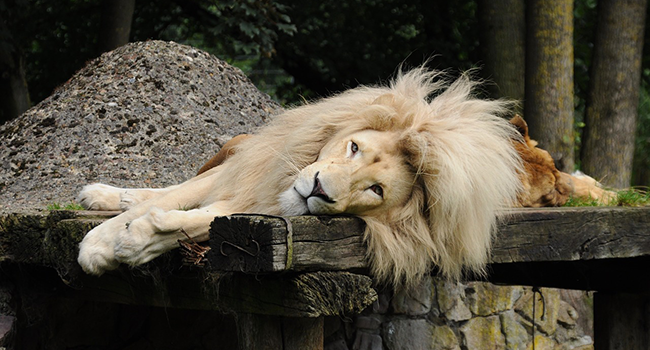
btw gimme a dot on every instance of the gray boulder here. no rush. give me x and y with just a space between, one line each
146 114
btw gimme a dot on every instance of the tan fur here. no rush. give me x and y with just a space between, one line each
446 165
584 186
228 149
543 184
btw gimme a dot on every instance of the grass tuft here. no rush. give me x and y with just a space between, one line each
631 197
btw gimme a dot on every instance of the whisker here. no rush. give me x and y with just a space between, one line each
287 159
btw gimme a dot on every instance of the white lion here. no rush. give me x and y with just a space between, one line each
424 163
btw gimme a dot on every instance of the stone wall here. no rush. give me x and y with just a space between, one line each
441 315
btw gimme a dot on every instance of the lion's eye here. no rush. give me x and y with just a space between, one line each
378 190
354 148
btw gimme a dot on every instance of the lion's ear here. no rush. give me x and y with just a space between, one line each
520 124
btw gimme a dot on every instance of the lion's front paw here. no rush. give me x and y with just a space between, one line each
96 251
128 199
144 239
100 197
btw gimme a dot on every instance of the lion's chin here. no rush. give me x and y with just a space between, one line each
292 203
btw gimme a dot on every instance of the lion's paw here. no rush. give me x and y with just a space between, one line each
140 242
100 197
128 199
96 253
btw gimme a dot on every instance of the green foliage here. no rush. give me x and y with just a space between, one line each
341 44
296 50
583 38
64 206
57 37
229 27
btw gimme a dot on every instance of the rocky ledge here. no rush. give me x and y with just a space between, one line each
146 114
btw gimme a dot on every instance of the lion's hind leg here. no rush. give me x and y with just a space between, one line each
105 197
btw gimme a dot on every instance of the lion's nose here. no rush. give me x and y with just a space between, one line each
318 190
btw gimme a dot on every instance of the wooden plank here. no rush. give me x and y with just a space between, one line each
311 294
303 295
255 243
336 243
303 333
261 332
607 275
264 332
571 234
579 248
525 235
621 321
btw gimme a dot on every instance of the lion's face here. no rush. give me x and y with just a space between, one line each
360 173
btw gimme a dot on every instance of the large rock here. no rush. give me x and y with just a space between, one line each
146 114
444 338
547 307
414 301
406 334
450 297
516 335
485 299
483 333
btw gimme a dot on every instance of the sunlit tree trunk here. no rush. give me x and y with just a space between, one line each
503 47
115 27
549 78
613 102
14 96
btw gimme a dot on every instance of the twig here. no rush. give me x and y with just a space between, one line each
192 252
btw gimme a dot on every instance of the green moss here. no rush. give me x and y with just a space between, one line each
582 202
64 206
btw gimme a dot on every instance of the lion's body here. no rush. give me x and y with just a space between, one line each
543 184
427 176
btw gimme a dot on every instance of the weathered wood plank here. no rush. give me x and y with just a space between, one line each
621 321
310 295
525 235
583 248
264 332
336 243
571 234
254 243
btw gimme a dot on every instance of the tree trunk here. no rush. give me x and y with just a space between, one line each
14 96
549 78
115 26
613 102
503 47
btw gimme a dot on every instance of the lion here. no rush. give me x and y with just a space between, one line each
543 184
421 160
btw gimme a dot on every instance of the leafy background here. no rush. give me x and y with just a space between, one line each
295 50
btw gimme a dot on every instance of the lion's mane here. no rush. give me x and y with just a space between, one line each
458 146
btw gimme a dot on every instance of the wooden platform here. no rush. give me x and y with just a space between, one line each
305 266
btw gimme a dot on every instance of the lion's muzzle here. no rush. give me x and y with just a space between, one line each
318 190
